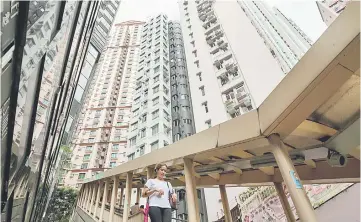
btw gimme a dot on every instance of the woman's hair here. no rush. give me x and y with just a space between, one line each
159 165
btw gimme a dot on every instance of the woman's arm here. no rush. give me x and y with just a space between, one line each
147 192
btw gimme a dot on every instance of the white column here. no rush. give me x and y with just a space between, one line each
292 181
191 191
114 198
105 194
100 185
224 198
93 198
128 196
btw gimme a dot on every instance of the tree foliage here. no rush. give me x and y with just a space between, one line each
61 205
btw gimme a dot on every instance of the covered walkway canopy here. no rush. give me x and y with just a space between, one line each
310 117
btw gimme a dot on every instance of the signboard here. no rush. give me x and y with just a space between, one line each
263 204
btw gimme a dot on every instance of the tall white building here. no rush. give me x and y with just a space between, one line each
150 124
101 135
330 9
285 40
231 70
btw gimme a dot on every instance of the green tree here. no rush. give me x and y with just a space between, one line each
61 205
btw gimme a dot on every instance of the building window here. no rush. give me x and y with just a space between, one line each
156 100
155 129
114 155
88 148
84 166
86 157
133 141
177 137
115 146
81 176
154 145
156 79
134 126
91 140
208 123
131 156
195 52
205 104
112 164
144 118
188 121
176 122
156 89
143 133
202 90
197 63
141 150
155 114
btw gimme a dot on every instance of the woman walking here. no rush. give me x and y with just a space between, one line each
160 195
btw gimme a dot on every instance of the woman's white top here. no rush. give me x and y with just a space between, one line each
163 200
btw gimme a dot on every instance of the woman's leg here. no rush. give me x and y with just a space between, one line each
155 214
167 214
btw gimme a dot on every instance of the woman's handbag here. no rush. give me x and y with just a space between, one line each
173 204
146 211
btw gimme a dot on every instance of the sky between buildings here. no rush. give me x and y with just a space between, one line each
304 12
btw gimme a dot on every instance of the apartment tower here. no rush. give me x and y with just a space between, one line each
182 110
151 125
101 137
285 40
330 9
228 62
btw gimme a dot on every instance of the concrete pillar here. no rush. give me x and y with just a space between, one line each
138 195
128 196
114 198
85 196
93 198
24 188
150 173
100 185
284 201
121 197
86 207
191 191
105 194
224 198
292 181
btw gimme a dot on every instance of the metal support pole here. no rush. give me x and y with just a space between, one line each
192 200
138 195
284 201
128 196
105 194
121 197
97 200
93 198
114 198
226 209
292 181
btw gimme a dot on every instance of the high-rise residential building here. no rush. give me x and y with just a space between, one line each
151 124
284 39
101 136
330 9
103 24
231 70
182 110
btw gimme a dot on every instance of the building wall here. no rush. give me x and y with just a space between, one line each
182 109
329 10
285 40
101 135
150 125
227 59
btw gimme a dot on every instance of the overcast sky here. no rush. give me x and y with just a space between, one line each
305 13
